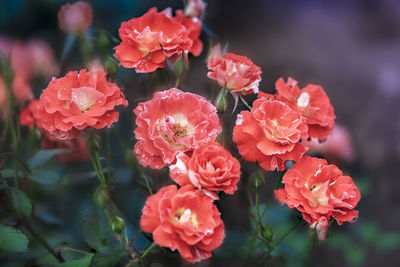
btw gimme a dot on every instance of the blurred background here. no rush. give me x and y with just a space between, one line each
351 48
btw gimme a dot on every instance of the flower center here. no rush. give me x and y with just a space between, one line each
303 100
179 130
319 192
85 97
185 215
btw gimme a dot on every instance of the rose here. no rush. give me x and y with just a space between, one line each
210 167
270 134
183 219
233 72
148 40
193 26
319 190
312 102
172 122
77 102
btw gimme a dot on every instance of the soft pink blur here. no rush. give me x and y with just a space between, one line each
337 147
75 18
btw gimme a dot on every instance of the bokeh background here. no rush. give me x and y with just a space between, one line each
351 48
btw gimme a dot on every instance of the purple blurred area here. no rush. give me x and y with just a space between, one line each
351 48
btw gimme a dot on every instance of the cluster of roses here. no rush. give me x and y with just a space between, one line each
272 133
178 130
78 101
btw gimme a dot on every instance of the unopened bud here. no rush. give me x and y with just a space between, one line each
180 66
267 233
111 67
100 196
257 179
221 103
117 224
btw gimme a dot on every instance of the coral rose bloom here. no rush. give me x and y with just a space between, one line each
312 102
210 167
193 25
79 101
319 190
30 117
172 122
183 219
143 37
234 72
75 18
270 134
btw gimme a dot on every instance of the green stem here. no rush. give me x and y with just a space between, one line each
147 251
279 181
283 237
96 152
259 218
178 81
96 168
123 243
146 179
42 241
108 144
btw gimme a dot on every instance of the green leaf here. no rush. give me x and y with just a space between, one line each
94 228
45 177
107 257
83 262
44 156
21 201
89 224
12 239
9 173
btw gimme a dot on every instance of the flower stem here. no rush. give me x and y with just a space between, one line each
41 240
283 237
146 179
108 144
258 217
178 81
147 251
279 181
